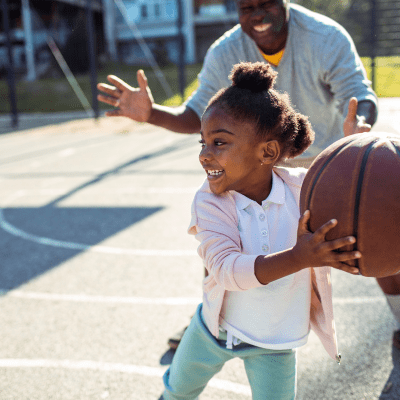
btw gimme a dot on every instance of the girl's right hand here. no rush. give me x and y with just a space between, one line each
313 250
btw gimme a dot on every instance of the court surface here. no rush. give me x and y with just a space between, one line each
97 271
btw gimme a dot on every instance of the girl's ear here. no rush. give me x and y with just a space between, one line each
270 152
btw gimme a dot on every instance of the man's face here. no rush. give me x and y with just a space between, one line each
266 22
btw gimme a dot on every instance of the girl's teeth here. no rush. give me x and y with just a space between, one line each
214 172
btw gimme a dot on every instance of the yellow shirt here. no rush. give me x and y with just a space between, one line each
274 59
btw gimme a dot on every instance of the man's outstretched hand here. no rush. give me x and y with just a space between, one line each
354 123
134 103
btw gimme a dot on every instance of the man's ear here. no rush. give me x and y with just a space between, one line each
270 152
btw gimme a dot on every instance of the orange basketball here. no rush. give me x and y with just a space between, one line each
356 180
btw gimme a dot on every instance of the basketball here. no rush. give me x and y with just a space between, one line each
356 180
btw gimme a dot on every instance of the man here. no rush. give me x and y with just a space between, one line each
317 65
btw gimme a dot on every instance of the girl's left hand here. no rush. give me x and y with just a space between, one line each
314 250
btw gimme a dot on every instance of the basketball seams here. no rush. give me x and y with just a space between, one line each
356 180
318 173
386 155
359 193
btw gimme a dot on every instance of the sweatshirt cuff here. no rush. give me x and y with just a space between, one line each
243 272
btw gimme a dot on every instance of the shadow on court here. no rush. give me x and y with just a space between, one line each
391 390
37 239
27 254
167 357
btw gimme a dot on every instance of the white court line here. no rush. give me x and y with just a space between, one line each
359 300
84 247
173 301
127 190
82 298
13 230
115 367
67 152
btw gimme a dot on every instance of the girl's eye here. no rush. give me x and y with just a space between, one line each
218 143
201 141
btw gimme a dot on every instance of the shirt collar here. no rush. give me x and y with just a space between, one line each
277 194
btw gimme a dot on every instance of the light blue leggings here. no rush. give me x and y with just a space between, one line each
271 373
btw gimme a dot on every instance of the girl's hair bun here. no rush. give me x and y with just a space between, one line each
256 77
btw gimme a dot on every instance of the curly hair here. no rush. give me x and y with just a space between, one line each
251 97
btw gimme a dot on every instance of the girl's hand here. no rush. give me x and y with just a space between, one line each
313 250
134 103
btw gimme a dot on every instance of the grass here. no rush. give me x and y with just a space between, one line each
387 75
55 94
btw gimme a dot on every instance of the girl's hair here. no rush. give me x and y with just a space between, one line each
251 97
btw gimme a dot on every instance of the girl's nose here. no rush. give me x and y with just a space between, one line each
205 154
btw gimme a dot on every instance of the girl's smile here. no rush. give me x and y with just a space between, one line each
213 174
232 155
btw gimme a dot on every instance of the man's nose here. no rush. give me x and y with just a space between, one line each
259 12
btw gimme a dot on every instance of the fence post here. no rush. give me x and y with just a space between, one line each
181 40
373 43
29 47
92 56
10 65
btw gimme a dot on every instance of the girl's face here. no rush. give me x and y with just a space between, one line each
232 155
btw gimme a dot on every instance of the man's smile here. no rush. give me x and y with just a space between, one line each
262 27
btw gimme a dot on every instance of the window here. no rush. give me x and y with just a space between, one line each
144 11
157 10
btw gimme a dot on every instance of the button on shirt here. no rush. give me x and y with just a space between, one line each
276 315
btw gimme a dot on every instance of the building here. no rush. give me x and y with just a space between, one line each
157 21
121 25
32 21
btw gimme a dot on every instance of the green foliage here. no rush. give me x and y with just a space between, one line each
333 9
55 94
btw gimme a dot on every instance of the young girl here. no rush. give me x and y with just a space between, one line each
268 277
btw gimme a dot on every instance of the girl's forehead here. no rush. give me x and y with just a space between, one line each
216 120
216 117
217 113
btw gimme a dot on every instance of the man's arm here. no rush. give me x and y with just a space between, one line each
177 119
345 75
138 104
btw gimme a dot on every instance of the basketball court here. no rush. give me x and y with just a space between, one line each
97 270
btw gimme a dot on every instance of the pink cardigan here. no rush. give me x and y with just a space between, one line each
215 224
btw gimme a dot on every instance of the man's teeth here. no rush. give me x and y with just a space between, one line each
261 28
214 172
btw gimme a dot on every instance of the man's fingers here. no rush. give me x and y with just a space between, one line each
118 83
114 113
352 110
107 99
142 80
363 128
108 89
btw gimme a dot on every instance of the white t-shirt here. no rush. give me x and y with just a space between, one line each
275 316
